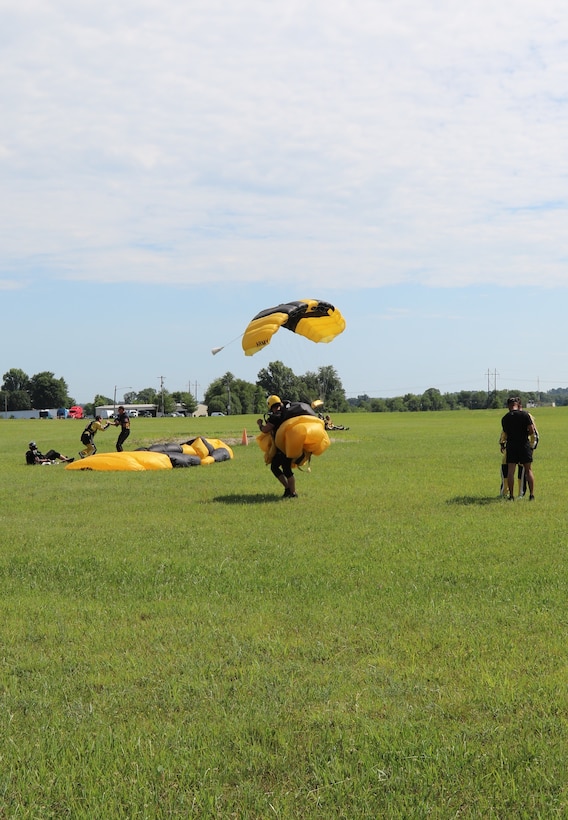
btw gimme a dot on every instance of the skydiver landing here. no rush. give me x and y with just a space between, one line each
280 465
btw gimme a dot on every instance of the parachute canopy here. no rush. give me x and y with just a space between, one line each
316 320
162 456
299 437
125 461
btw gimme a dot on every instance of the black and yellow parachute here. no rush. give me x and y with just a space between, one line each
316 320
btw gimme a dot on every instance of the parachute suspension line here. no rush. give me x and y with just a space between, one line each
215 350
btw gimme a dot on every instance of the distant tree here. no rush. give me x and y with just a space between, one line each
396 404
432 399
19 400
47 391
451 401
251 396
101 401
148 396
186 399
325 385
277 379
222 396
15 380
412 403
378 406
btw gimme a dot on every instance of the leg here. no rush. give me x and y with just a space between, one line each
511 467
503 488
529 475
522 476
290 478
121 439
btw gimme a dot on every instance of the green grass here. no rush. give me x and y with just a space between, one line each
186 644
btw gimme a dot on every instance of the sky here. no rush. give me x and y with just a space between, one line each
170 168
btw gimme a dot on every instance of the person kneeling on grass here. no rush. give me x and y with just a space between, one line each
33 456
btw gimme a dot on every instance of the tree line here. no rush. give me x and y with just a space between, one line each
234 396
226 394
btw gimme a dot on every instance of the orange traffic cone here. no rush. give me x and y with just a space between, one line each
244 438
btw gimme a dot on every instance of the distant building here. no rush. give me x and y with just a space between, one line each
106 411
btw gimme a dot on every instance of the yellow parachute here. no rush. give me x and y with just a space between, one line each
133 460
299 438
164 456
316 320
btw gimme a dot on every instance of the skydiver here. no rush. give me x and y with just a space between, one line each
123 422
88 436
280 465
33 456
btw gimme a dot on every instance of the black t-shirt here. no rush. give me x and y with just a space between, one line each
516 424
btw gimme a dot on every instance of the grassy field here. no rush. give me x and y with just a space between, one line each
392 644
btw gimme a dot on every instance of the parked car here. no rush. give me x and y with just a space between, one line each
217 414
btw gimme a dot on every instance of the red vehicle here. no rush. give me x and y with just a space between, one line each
75 412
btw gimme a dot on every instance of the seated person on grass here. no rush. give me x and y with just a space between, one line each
33 456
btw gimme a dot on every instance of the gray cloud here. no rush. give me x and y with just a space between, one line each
323 141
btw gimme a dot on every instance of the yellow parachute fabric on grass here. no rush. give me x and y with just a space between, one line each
298 438
316 320
134 460
205 449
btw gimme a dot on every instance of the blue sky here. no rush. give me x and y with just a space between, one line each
169 169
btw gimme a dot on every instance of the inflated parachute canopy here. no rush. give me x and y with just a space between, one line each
316 320
299 437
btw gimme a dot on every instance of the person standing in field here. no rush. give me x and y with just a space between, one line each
521 476
88 436
518 426
123 422
280 464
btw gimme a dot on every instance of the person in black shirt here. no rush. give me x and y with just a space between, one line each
280 465
123 422
33 456
518 426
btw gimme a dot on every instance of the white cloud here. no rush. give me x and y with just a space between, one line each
323 141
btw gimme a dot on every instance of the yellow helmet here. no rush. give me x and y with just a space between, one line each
272 400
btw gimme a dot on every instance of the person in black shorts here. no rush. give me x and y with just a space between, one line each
518 426
280 465
34 456
123 422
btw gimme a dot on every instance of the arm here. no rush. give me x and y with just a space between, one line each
265 426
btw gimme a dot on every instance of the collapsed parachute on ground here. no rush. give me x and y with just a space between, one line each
316 320
300 436
195 452
192 453
136 460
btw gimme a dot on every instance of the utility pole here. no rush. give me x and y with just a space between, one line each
161 378
489 374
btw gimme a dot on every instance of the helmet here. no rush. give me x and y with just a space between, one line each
272 400
32 445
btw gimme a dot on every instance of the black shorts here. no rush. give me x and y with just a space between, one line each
523 454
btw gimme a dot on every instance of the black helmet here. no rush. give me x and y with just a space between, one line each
32 445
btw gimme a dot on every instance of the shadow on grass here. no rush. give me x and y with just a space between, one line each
475 500
248 498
